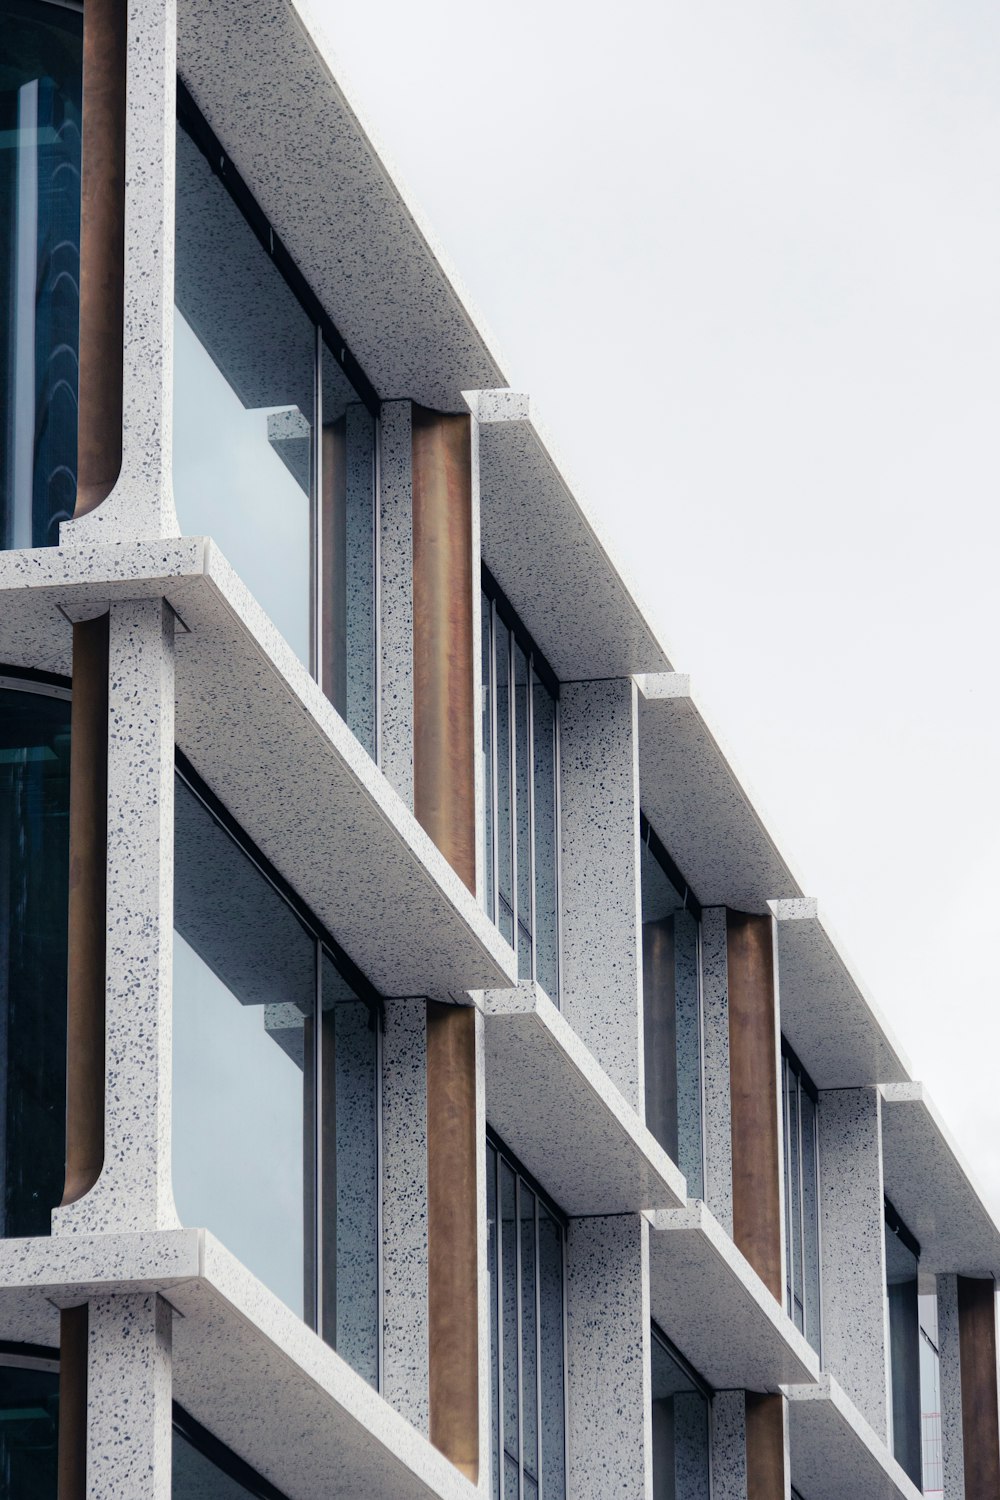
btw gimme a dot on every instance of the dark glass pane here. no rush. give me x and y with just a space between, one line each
493 1266
244 387
349 1155
347 527
40 86
687 982
486 657
529 1336
509 1310
546 852
505 829
793 1208
522 770
681 1461
550 1325
196 1477
244 999
29 1424
34 884
810 1220
904 1353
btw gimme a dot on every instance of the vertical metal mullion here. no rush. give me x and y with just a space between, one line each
379 1277
317 1126
802 1209
316 513
533 915
701 1059
539 1426
520 1338
564 1248
377 589
494 792
787 1148
512 757
557 806
498 1313
819 1234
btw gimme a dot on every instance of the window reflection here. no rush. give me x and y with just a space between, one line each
801 1163
902 1255
932 1453
681 1458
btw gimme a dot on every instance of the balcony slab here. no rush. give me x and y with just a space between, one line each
835 1453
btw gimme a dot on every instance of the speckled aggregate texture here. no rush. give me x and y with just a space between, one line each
396 602
952 1439
128 1398
729 1446
718 1121
141 503
853 1249
607 1338
835 1455
602 961
404 1210
134 1189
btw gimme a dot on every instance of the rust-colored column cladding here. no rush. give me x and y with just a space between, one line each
453 1310
765 1428
88 863
753 1067
977 1336
102 252
444 772
74 1325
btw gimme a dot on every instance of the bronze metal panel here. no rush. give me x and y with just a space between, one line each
333 603
765 1427
88 873
453 1294
753 1068
102 252
74 1327
444 785
977 1335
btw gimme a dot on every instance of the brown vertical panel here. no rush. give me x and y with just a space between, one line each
102 252
88 868
453 1296
443 598
753 1069
333 649
977 1335
765 1418
72 1451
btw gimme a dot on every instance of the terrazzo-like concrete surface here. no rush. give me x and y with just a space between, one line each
561 1115
949 1352
835 1454
700 806
711 1303
396 596
129 1418
729 1446
717 1107
931 1187
826 1014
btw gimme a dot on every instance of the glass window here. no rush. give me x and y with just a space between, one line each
275 1138
29 1427
902 1256
40 93
801 1163
930 1394
274 448
204 1469
520 750
671 988
525 1255
681 1416
34 881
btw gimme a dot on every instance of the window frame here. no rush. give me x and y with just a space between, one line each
791 1061
699 1382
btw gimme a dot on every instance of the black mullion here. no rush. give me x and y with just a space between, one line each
512 761
317 1129
494 793
520 1337
530 699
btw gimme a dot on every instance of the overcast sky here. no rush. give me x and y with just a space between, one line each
745 257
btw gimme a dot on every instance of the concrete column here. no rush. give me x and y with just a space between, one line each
949 1351
853 1248
607 1334
977 1327
396 602
729 1446
129 1398
134 1189
599 792
718 1119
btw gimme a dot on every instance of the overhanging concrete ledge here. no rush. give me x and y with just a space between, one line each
826 1015
558 1111
256 726
932 1189
700 807
835 1452
707 1298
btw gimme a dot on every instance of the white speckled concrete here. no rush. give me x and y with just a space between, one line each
700 806
128 1398
141 503
729 1446
711 1303
601 975
396 599
548 555
952 1436
558 1111
853 1249
833 1024
404 1210
607 1339
134 1189
932 1188
835 1455
717 1110
270 745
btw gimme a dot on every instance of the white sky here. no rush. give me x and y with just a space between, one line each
745 256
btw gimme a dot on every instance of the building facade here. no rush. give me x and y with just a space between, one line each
421 1071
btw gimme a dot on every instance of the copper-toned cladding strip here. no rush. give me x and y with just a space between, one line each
753 1068
87 941
453 1296
333 589
444 792
102 252
977 1336
72 1450
765 1429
